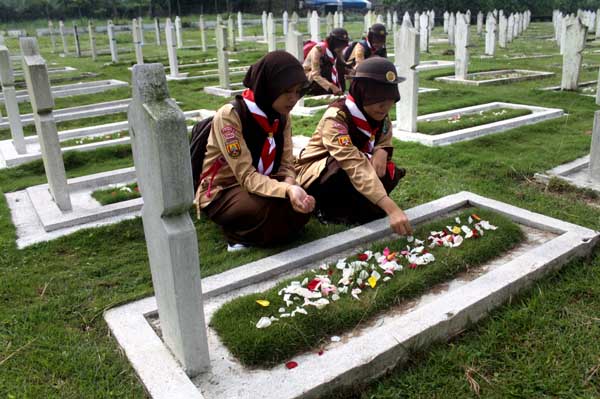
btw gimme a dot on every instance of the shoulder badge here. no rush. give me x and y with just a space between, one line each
234 149
344 140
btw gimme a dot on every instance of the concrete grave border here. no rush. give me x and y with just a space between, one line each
355 358
580 85
538 114
52 71
571 172
531 75
219 91
75 89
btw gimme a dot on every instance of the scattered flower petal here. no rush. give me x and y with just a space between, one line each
335 338
263 302
291 365
264 322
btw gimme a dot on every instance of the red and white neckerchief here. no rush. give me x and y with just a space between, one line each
369 44
267 155
361 123
331 57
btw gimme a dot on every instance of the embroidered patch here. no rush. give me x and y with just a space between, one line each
344 140
234 149
341 114
229 133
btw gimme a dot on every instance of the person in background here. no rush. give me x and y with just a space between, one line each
322 64
372 45
347 165
248 182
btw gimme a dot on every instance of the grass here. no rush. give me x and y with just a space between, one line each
317 102
117 194
234 321
464 121
55 344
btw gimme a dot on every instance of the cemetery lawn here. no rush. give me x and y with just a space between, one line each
54 342
235 321
465 121
93 139
117 194
317 102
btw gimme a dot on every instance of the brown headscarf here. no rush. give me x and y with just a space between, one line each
272 75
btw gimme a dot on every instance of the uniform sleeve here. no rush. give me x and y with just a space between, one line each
385 139
359 54
286 167
315 69
229 138
356 165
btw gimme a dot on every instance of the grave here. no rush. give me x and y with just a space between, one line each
538 114
496 77
225 88
174 73
74 89
575 34
436 317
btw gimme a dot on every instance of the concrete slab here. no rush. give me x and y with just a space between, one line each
75 89
437 316
575 173
52 71
587 88
235 89
84 111
519 75
538 114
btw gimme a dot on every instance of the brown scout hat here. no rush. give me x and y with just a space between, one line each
378 69
378 31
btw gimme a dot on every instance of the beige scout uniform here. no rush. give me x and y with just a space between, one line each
227 141
331 138
358 54
312 68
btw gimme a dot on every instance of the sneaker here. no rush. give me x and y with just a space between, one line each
236 247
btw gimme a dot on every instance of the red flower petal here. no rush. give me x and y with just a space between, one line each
363 257
291 365
413 265
321 352
313 284
329 272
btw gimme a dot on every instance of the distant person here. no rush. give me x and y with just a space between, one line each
322 64
248 182
347 163
372 45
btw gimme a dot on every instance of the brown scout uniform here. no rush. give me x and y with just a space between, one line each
318 69
337 137
358 54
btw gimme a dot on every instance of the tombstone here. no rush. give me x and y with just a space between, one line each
51 33
366 21
295 18
222 58
406 20
171 49
157 31
424 33
271 38
451 29
417 20
264 25
42 103
490 35
137 43
240 24
77 44
597 35
92 35
479 23
576 34
406 60
161 151
315 27
461 51
431 21
510 28
468 17
328 22
61 30
394 20
141 30
202 33
594 168
446 21
230 34
178 32
285 22
308 20
502 30
558 26
516 27
388 19
563 33
7 81
112 41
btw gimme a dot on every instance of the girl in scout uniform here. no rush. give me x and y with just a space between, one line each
372 45
248 182
322 64
347 164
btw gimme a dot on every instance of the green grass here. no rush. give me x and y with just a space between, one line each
235 321
316 102
464 121
545 343
117 194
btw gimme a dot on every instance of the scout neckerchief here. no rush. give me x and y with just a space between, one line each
331 57
267 156
361 124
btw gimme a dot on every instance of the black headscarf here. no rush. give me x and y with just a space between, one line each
272 75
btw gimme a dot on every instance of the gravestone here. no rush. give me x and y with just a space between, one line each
406 60
394 20
77 44
575 37
417 19
490 35
285 21
406 20
10 100
451 29
461 48
141 30
61 30
295 18
424 32
222 58
42 103
271 39
202 33
163 167
468 17
51 33
137 44
308 20
510 28
431 21
595 150
112 41
171 49
240 23
92 35
230 34
178 32
597 35
598 89
264 25
328 22
157 31
480 23
446 21
315 27
502 30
